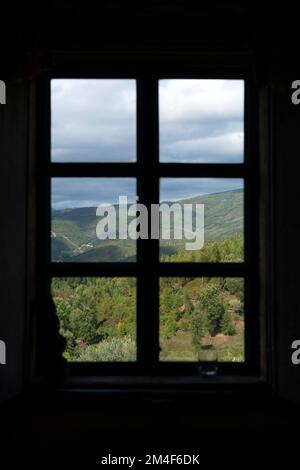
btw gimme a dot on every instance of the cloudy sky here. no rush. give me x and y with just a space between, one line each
201 121
95 120
92 192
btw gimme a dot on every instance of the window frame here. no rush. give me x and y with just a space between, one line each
148 269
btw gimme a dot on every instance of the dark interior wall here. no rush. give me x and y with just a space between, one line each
35 38
13 171
286 154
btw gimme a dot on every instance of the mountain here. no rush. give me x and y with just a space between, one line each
73 231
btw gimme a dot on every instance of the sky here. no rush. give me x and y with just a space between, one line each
201 121
92 192
95 121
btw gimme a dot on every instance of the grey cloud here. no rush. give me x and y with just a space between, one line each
201 121
91 192
212 148
93 120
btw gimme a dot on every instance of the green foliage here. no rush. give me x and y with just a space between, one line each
98 314
92 309
227 324
235 286
183 325
211 307
109 350
229 250
195 305
171 327
199 328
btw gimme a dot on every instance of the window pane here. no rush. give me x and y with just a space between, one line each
202 220
85 219
200 312
201 121
93 120
97 317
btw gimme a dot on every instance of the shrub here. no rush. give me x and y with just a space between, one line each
227 325
211 306
171 327
184 325
236 287
110 350
198 328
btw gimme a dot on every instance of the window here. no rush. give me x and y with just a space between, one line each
148 306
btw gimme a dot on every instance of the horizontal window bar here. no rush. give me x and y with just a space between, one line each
161 169
93 169
168 368
162 269
193 170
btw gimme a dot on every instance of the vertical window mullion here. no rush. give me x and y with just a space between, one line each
147 250
251 227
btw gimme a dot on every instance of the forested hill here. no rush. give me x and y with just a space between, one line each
73 233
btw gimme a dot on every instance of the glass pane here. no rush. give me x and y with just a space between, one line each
201 220
85 219
93 120
199 312
97 317
201 121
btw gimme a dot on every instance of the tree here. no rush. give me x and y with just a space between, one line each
227 325
198 328
210 303
235 286
84 325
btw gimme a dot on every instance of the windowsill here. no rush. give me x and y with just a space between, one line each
163 384
183 392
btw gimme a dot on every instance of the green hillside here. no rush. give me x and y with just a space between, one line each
74 237
223 213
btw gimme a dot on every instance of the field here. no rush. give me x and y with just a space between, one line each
229 348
